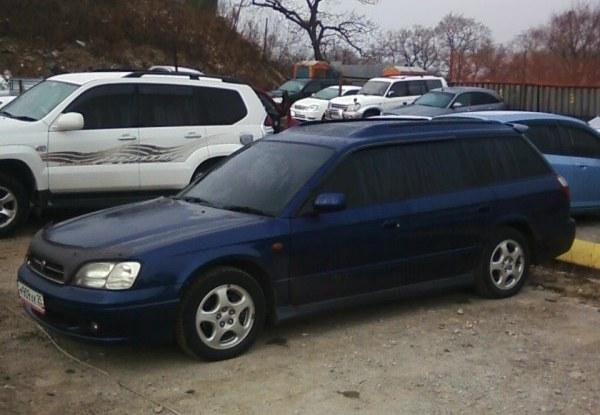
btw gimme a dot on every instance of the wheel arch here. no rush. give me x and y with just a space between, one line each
246 264
20 171
524 228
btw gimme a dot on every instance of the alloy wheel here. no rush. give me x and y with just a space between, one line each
507 264
8 207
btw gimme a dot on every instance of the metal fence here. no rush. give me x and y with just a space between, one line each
580 102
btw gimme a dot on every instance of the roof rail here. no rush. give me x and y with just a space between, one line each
139 74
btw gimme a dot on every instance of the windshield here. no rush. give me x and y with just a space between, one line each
327 94
38 101
293 86
435 99
261 179
374 88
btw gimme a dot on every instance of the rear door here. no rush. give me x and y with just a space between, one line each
582 146
171 131
481 101
103 157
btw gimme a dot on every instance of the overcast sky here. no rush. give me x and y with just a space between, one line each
506 18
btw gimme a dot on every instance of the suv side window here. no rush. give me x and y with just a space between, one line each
433 84
581 143
107 107
168 106
416 88
400 89
219 106
481 98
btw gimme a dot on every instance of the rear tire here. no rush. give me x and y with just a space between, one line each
221 314
14 205
504 267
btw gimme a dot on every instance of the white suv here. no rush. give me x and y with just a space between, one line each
381 94
100 138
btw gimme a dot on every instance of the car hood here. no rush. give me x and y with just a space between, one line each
421 110
144 225
312 101
361 99
17 132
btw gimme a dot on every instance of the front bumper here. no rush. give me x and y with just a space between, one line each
103 316
302 115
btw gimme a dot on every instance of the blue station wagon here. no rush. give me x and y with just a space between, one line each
570 145
324 215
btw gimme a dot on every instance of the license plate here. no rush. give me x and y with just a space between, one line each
31 297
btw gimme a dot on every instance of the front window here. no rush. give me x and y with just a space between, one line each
378 88
435 99
261 179
293 86
38 101
327 94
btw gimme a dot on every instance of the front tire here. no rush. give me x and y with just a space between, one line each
14 205
504 267
221 314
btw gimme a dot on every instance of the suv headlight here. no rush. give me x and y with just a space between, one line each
354 107
313 107
108 275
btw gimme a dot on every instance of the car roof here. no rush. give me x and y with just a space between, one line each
511 116
461 89
80 78
342 134
344 87
406 78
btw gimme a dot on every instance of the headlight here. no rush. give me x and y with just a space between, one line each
313 107
354 107
108 275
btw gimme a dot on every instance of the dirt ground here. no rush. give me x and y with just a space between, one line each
450 353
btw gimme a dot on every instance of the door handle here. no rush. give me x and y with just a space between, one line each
583 166
127 137
390 224
193 135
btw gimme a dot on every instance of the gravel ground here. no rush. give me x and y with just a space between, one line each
441 354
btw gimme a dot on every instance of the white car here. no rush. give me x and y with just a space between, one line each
101 138
313 108
379 95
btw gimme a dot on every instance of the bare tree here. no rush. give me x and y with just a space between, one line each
461 37
321 24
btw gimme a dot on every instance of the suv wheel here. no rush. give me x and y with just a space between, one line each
221 314
505 265
14 205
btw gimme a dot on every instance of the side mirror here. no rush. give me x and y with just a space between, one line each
70 121
457 105
330 202
391 94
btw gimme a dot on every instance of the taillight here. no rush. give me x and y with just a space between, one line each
564 185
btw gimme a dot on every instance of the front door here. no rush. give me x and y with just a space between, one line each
104 155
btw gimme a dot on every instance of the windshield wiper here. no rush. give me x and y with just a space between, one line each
247 209
196 200
17 117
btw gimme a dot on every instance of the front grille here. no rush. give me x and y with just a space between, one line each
339 107
46 269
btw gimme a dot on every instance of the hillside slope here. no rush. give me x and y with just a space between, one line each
38 38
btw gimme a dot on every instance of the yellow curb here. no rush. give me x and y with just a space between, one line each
584 253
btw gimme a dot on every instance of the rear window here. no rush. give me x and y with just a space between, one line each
398 172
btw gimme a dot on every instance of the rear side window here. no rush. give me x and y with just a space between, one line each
580 143
220 106
399 172
416 88
545 138
433 84
107 107
168 106
481 98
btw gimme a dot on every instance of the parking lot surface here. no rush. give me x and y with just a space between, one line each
450 352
